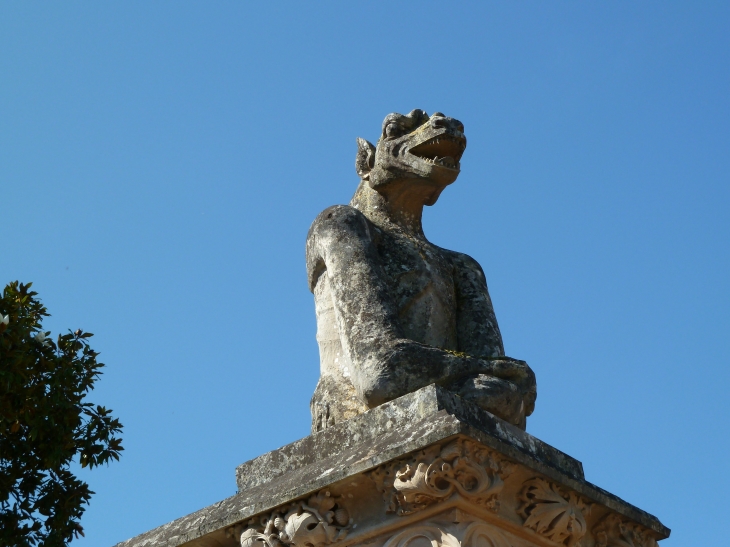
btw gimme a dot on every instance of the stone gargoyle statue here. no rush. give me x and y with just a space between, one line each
395 312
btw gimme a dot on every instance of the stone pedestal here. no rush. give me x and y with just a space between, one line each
425 470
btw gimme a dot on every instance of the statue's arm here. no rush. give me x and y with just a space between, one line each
386 365
476 322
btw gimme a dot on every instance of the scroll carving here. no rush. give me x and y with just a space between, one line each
553 512
318 521
614 531
475 534
433 534
435 474
481 535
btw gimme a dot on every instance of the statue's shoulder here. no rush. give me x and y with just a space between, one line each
335 233
338 218
462 262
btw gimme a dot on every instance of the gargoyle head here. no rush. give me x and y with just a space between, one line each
419 149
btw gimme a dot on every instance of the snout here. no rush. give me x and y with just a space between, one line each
439 121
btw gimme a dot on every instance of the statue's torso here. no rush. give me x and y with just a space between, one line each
421 282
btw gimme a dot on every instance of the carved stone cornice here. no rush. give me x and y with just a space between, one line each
553 512
320 520
614 531
435 474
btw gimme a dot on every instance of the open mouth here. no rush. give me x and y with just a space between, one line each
444 150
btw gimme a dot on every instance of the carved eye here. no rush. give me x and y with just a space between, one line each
393 130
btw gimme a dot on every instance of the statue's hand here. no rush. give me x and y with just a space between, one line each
519 373
503 386
514 370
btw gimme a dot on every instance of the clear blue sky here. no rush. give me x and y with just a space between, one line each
160 164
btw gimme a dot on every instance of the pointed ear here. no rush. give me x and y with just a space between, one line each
365 159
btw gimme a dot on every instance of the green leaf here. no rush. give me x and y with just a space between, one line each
46 423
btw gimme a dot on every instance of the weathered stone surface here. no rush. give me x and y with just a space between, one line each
339 486
395 312
394 418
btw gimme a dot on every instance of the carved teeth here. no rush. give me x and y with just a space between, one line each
451 146
446 161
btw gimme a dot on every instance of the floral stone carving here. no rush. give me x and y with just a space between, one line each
553 512
614 531
435 474
318 521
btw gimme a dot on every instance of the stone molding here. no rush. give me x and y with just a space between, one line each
452 528
461 475
318 521
435 474
473 534
447 455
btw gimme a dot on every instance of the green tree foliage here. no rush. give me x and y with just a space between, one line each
46 424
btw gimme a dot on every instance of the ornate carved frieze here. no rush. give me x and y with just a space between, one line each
437 473
614 531
456 480
318 521
553 512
